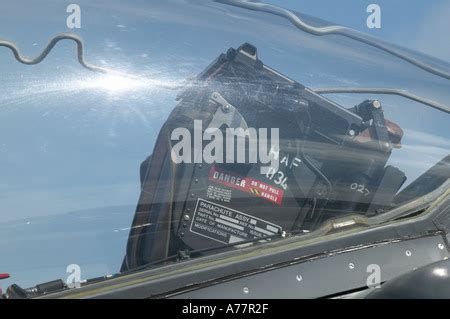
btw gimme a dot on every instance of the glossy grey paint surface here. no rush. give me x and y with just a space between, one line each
336 274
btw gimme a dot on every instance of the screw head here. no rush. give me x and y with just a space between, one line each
226 108
186 217
408 253
351 132
299 277
441 246
351 265
246 290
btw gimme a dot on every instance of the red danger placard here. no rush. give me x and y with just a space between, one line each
246 184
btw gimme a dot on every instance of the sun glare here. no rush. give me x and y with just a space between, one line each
114 83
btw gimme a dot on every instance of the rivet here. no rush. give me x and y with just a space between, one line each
246 290
351 265
408 253
299 277
186 217
441 246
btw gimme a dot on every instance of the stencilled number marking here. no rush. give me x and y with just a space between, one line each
360 189
277 177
